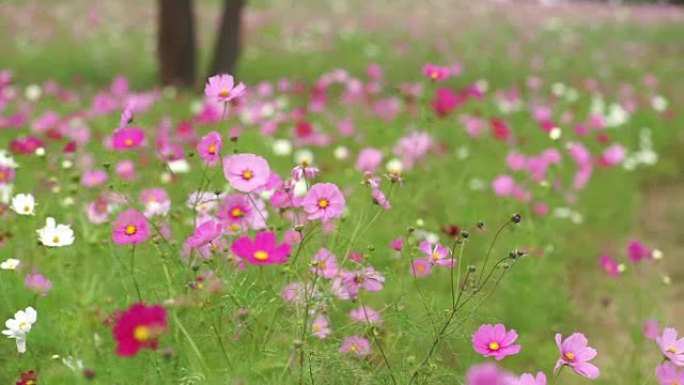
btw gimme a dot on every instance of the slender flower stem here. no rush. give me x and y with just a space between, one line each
135 281
491 246
377 343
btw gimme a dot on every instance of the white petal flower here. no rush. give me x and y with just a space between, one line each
19 326
10 264
23 204
282 147
55 235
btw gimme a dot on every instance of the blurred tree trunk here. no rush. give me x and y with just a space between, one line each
176 43
227 47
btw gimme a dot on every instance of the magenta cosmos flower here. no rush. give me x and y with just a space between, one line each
324 201
209 148
576 354
667 374
264 250
673 348
139 328
529 379
355 345
612 267
435 72
495 341
130 228
128 138
246 172
222 88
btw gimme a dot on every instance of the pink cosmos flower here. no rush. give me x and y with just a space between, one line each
128 138
222 88
93 178
380 199
445 102
576 354
516 161
437 254
156 202
209 148
365 314
320 327
236 213
324 264
503 185
667 374
636 251
304 171
672 348
435 72
397 244
489 374
323 201
264 250
356 345
98 211
139 328
348 284
130 228
369 160
7 175
246 172
125 169
205 234
421 267
610 266
613 155
495 341
38 283
651 329
529 379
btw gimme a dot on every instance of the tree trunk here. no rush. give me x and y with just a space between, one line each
227 47
176 43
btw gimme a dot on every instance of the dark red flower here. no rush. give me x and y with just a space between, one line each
28 378
138 328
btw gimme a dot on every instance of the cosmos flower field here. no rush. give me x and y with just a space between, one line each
457 219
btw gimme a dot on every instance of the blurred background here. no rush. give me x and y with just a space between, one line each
181 42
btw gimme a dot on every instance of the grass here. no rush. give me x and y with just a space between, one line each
538 297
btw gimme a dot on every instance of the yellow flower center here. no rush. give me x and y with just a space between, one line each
142 333
494 346
27 209
353 348
212 149
323 203
128 142
434 75
30 382
3 175
247 175
55 239
131 229
224 93
23 324
316 328
435 256
570 356
261 255
420 269
672 350
237 213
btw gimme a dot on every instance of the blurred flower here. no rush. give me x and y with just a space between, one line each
23 204
55 235
139 328
672 348
651 329
19 326
667 374
356 345
209 148
38 283
320 327
529 379
10 264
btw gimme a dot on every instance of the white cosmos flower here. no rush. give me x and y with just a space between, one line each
23 204
55 235
304 156
282 147
10 264
179 166
19 326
